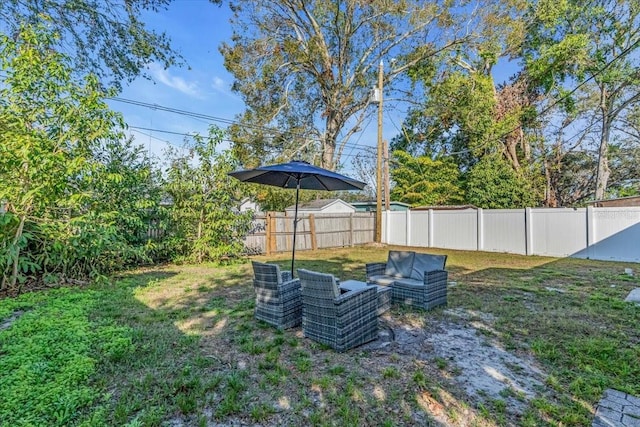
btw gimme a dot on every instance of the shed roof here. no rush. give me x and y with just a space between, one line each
318 204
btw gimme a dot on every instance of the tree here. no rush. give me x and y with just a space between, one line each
423 181
298 64
561 146
103 37
493 184
204 222
51 124
125 188
365 170
464 113
595 44
474 122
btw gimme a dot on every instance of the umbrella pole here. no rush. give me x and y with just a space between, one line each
295 225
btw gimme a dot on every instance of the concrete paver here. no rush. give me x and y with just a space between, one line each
634 296
617 409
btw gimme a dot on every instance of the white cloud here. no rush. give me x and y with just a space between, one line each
174 82
219 84
222 87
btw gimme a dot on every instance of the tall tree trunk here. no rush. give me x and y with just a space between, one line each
199 236
330 140
603 172
550 199
16 261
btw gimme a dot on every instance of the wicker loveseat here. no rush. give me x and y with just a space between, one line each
278 299
416 279
339 320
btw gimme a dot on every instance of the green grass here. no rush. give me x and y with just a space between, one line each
179 344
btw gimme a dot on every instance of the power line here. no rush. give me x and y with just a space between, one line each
195 135
355 145
211 118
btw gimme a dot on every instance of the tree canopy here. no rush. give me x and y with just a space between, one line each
103 37
585 54
308 68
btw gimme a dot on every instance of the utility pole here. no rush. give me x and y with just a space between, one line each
379 165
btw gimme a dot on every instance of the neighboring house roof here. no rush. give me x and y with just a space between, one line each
318 205
443 208
375 203
619 202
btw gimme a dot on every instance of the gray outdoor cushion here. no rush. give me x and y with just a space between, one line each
381 280
410 282
426 262
399 264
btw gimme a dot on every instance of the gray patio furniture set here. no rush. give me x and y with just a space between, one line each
415 279
345 315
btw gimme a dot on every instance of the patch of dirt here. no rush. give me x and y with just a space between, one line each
468 351
457 350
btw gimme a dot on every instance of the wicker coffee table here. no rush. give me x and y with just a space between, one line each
384 293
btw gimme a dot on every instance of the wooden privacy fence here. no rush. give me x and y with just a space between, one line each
273 232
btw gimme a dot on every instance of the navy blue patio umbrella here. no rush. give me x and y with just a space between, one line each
299 175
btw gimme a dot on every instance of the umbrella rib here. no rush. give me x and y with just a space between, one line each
323 184
292 176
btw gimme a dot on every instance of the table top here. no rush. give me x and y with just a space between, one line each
351 285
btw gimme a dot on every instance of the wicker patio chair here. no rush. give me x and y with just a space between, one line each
278 299
341 321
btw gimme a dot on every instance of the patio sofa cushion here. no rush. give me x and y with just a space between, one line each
431 293
381 279
426 262
410 282
399 264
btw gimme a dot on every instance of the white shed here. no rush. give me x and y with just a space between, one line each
248 204
323 206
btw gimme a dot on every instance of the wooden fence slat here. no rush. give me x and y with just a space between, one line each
312 229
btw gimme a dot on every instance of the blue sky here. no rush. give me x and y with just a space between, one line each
197 28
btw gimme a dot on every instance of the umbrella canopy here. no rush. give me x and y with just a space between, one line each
298 174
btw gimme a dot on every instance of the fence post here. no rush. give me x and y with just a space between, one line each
528 230
408 225
591 230
480 230
430 241
351 232
312 229
267 233
387 226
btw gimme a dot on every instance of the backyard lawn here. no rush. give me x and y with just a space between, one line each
528 341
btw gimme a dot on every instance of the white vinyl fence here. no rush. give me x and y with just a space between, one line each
595 233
